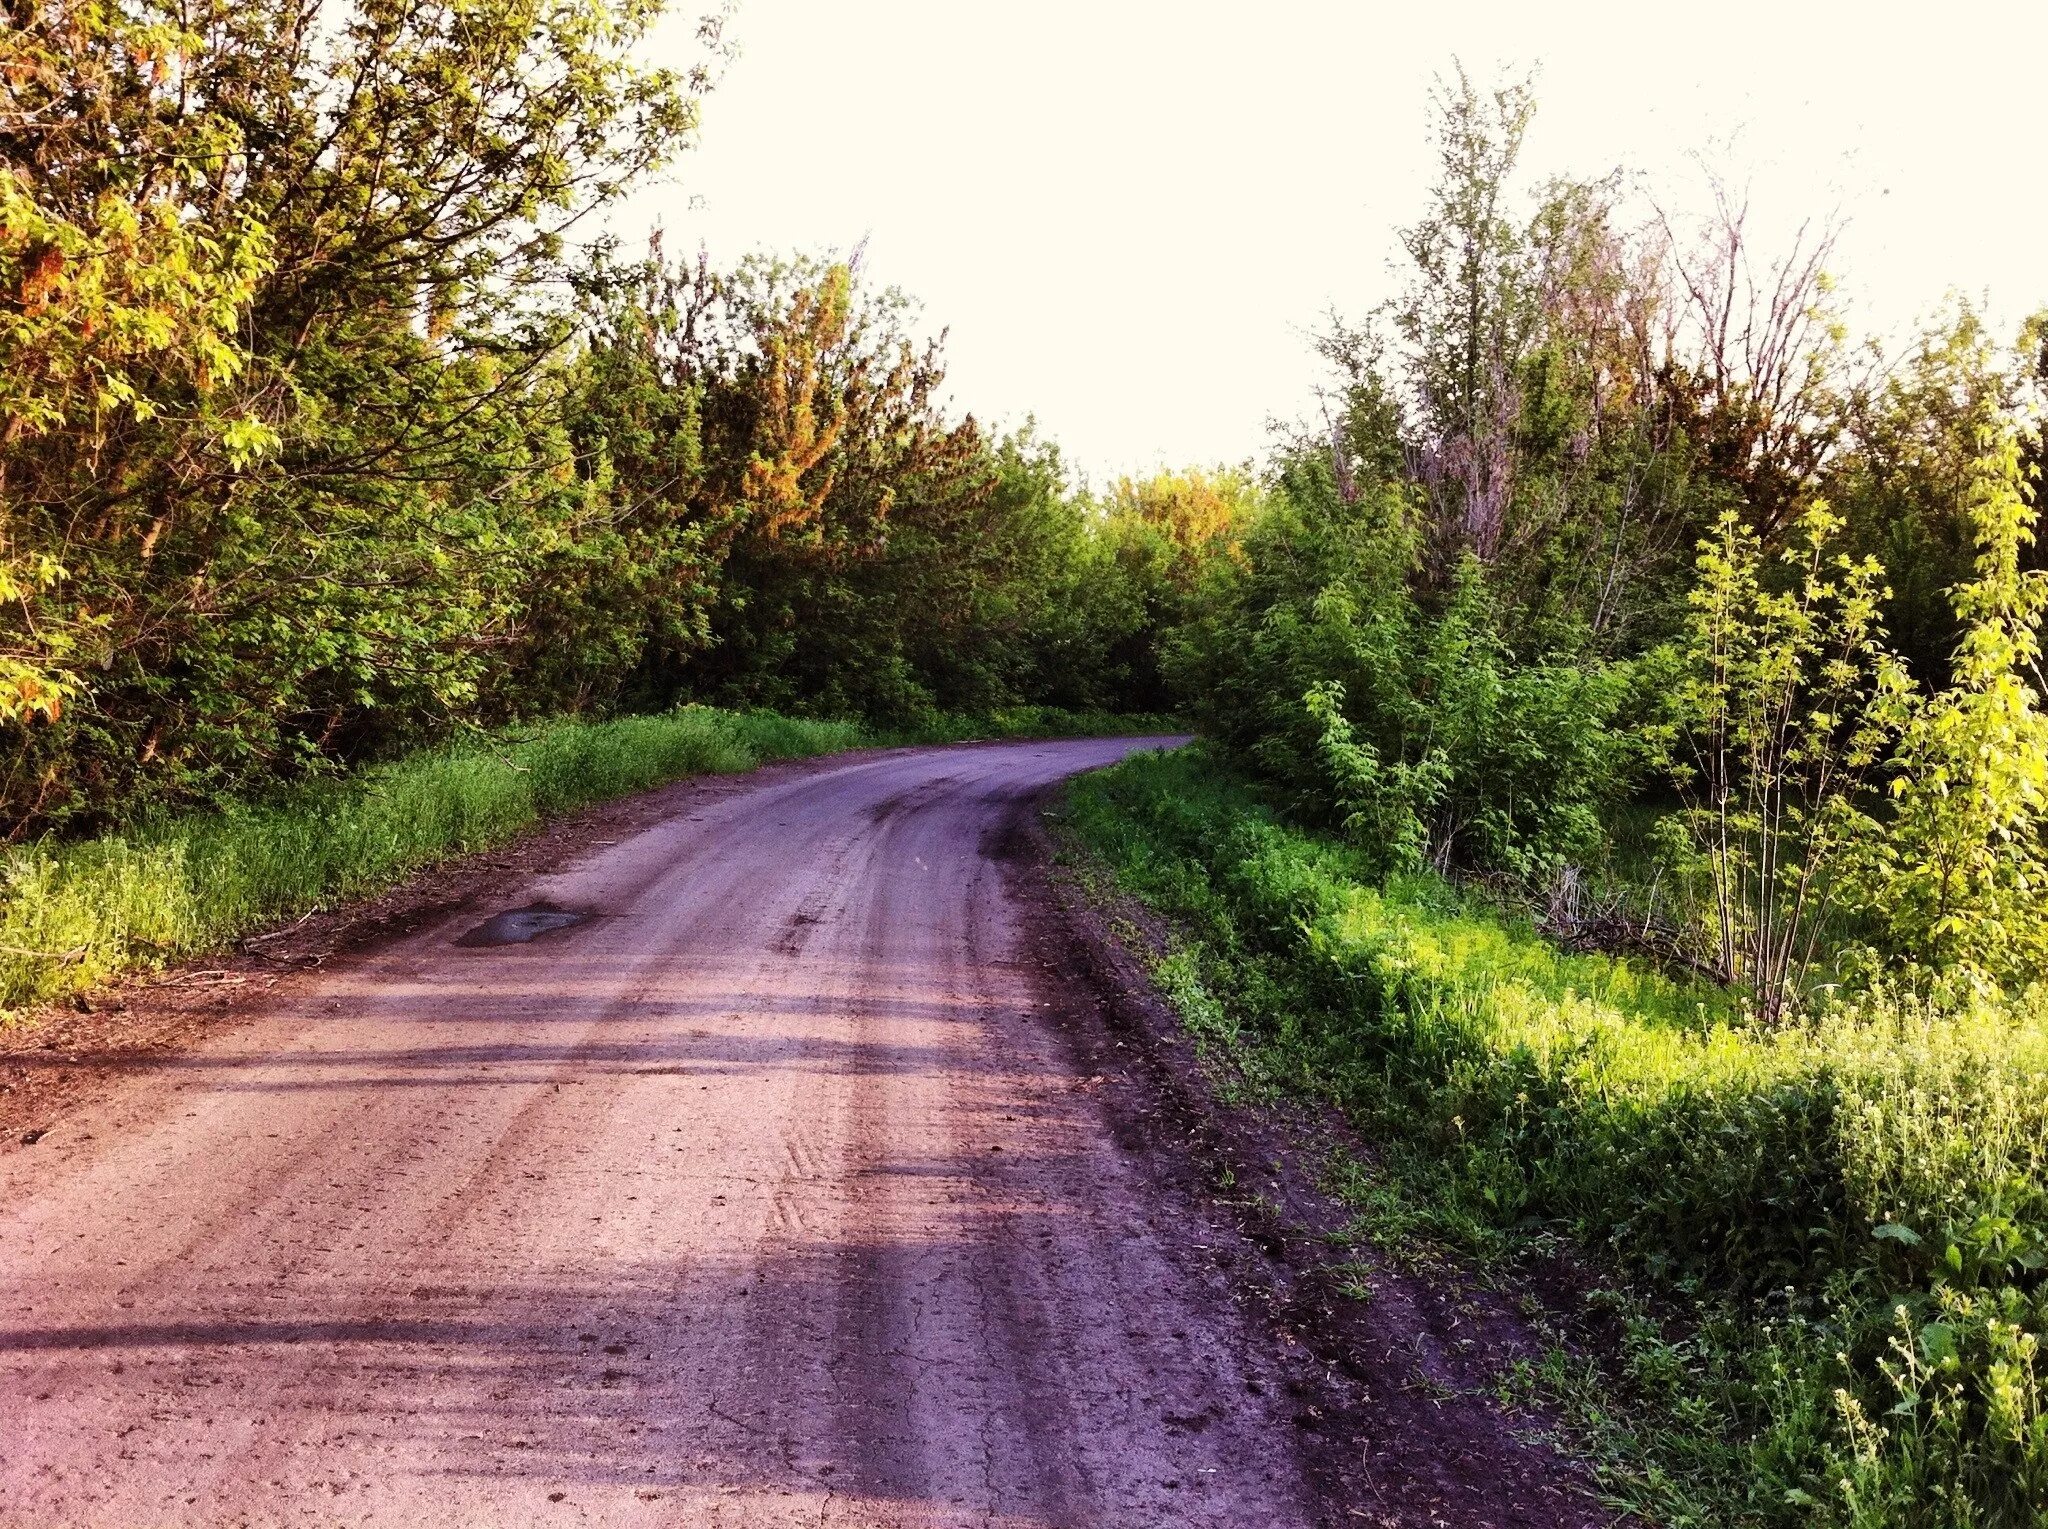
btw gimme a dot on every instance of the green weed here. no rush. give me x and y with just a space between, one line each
1790 1182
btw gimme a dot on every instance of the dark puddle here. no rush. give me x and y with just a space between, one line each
519 925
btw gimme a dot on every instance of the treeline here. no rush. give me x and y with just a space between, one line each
326 429
1614 540
1624 602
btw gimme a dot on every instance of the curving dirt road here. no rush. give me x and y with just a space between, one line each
763 1195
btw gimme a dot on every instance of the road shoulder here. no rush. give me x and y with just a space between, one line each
1392 1377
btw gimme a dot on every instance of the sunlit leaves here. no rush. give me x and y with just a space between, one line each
1790 701
283 290
1961 878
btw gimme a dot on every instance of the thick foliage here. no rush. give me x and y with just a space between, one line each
279 449
1417 726
319 441
1958 881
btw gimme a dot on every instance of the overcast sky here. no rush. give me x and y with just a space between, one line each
1129 214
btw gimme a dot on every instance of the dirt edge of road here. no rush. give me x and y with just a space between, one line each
112 1031
1394 1393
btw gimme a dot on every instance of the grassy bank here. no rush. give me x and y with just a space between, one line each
1855 1212
74 915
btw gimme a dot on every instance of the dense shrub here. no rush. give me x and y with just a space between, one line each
321 439
1412 722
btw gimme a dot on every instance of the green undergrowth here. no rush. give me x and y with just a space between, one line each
73 915
1025 722
1849 1215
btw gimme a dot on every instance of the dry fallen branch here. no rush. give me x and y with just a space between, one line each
278 934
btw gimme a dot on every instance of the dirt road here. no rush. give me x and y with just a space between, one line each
764 1195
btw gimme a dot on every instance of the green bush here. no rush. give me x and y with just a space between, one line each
1025 722
1412 723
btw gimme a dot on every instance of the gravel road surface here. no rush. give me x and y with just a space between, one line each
764 1194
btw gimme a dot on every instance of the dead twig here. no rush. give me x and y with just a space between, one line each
215 978
278 934
307 961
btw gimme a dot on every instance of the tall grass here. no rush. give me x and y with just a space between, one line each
73 915
1867 1194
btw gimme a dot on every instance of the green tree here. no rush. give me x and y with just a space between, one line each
1467 317
1789 703
1960 882
1905 481
122 284
323 438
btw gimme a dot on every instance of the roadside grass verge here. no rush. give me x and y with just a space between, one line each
1850 1215
73 915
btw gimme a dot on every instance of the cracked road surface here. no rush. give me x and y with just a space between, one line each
765 1195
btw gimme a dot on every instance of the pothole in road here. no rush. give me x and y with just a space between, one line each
518 925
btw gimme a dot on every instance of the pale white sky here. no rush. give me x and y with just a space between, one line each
1129 212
